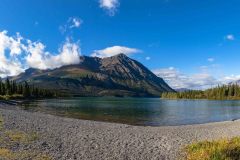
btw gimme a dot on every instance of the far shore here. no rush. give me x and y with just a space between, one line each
66 138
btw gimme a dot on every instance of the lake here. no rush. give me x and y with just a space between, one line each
139 111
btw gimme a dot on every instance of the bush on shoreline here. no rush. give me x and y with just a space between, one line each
9 97
223 149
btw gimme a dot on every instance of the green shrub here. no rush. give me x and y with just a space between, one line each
224 149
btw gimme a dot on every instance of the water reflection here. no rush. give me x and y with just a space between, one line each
140 111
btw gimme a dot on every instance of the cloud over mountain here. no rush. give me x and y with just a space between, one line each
202 80
18 53
176 79
39 58
10 48
114 50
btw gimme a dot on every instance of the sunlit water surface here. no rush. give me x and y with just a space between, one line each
140 111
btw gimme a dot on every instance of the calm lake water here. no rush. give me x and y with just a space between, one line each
140 111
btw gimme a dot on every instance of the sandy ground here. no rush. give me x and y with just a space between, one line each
66 139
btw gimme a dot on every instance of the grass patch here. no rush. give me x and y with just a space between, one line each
10 139
9 97
42 157
1 122
21 137
7 154
224 149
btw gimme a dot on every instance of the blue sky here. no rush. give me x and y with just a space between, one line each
193 44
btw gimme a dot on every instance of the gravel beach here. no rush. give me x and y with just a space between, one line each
68 139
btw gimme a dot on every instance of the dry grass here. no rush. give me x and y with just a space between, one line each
21 137
13 138
7 154
9 97
1 122
224 149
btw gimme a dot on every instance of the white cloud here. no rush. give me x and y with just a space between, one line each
110 6
39 58
10 49
230 37
115 50
76 22
11 43
35 57
17 54
210 59
148 58
72 22
201 80
231 78
177 80
10 68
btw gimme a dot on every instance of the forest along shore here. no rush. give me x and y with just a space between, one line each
64 138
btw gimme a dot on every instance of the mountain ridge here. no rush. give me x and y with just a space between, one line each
235 82
112 76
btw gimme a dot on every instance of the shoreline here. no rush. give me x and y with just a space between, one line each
67 138
15 105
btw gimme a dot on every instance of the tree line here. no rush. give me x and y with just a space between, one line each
228 92
11 88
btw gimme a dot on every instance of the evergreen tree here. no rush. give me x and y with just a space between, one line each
8 87
12 88
26 90
219 92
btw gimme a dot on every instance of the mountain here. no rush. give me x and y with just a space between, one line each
114 76
235 82
182 89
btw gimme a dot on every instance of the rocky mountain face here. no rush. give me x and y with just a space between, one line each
235 82
114 76
182 89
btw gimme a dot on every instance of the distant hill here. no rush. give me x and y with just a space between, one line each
223 92
182 89
235 82
114 76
